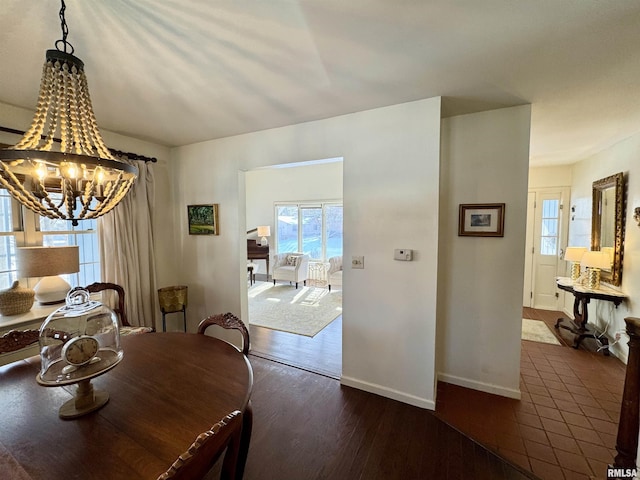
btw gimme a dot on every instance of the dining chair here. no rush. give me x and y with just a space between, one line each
125 327
227 321
207 448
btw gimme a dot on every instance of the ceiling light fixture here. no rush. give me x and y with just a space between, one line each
79 178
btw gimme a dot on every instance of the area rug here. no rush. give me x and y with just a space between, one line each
304 311
537 331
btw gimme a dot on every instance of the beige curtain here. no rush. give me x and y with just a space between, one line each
126 247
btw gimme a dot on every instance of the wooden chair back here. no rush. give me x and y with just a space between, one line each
120 310
205 451
227 321
15 340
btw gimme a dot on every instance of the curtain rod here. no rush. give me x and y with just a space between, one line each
131 156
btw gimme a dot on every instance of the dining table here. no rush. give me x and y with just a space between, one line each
168 388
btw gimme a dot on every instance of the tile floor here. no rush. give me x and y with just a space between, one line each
565 425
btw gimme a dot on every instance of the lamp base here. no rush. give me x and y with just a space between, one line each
575 271
593 280
51 290
264 242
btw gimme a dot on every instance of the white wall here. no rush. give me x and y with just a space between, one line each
485 159
546 177
391 199
391 171
622 157
266 186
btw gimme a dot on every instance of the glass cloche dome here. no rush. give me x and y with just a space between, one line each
78 341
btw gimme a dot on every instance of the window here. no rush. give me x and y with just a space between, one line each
10 236
550 220
56 233
315 229
19 226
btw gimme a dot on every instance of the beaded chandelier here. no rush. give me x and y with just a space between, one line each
74 176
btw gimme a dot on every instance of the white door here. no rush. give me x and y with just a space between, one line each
527 293
549 235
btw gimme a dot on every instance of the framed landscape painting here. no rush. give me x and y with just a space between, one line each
481 220
203 219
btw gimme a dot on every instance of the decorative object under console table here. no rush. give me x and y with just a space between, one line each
582 296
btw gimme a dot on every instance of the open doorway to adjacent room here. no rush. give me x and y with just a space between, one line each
299 206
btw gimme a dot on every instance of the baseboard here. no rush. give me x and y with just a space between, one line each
480 386
619 353
425 403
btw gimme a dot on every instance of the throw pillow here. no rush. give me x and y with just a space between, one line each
292 260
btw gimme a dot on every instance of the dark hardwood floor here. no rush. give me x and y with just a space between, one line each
321 354
308 426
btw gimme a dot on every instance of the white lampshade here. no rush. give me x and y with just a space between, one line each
264 231
574 254
47 263
596 259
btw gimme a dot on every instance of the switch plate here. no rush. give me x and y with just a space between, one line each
357 262
403 254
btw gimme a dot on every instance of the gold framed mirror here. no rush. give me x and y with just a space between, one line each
607 223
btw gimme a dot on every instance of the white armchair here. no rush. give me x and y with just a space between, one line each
293 267
334 274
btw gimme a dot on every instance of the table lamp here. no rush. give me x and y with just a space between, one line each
594 261
264 232
47 263
574 254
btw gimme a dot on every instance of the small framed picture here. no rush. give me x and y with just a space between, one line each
203 219
481 220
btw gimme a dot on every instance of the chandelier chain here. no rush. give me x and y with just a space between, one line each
65 32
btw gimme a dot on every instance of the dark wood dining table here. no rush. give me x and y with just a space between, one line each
169 388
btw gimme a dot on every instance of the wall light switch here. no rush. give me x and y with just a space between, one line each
403 254
357 262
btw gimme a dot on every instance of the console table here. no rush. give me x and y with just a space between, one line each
582 296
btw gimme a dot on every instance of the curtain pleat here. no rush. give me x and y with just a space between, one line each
126 247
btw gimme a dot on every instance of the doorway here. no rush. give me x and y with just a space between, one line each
546 239
304 183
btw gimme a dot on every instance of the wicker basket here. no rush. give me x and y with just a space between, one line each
16 300
172 299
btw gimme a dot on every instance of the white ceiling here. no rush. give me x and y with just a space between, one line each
181 71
